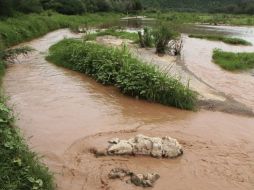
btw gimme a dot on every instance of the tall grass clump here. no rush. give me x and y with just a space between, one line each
228 40
233 61
163 33
146 39
112 66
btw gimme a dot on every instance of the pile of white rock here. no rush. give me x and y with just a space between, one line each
143 180
165 147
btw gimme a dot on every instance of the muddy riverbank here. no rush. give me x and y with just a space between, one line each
63 114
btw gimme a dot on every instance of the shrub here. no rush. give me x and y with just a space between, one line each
146 40
118 67
162 35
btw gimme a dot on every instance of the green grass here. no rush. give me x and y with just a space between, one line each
112 66
233 61
26 27
112 32
227 40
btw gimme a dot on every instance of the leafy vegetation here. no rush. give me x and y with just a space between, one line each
112 32
111 66
27 27
228 40
233 61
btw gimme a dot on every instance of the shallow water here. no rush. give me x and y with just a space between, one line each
63 114
197 56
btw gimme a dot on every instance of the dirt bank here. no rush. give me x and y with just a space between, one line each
63 114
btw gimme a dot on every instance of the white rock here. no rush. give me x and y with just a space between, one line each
171 148
142 145
157 147
123 147
114 141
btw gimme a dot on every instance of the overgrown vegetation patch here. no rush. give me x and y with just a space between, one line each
233 61
112 66
228 40
112 32
26 27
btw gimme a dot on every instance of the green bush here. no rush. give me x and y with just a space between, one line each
162 35
118 67
146 39
233 61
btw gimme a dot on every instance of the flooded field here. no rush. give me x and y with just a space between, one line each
63 114
197 56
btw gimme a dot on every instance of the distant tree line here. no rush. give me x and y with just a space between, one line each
239 8
8 7
224 6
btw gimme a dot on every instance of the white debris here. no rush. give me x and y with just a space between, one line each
142 145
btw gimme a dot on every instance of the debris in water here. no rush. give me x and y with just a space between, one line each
144 180
165 147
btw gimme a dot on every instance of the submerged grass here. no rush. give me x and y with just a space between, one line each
228 40
112 32
112 66
233 61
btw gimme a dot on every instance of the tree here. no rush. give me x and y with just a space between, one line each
104 5
28 6
6 7
70 7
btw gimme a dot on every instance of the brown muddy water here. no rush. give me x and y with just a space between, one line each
197 57
63 114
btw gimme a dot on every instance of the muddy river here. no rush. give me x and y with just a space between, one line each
63 114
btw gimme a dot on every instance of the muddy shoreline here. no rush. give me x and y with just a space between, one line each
63 114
